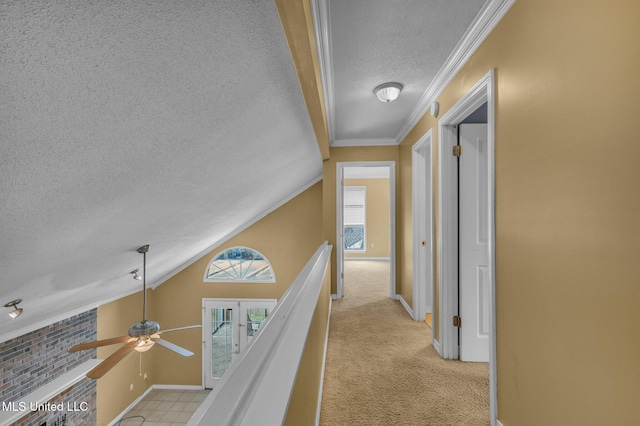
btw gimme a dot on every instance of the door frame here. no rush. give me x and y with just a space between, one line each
422 207
483 91
340 166
233 303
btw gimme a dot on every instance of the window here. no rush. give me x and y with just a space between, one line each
354 218
240 264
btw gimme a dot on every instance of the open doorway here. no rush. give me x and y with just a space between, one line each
466 199
365 218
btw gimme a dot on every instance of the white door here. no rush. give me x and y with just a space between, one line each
229 325
423 228
474 278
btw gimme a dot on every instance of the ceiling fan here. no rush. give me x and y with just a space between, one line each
141 337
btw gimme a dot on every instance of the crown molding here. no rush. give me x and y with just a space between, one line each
322 30
364 142
486 20
45 322
63 312
232 233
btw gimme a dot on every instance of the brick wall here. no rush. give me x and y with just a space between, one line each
79 408
30 361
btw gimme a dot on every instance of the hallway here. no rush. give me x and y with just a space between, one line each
381 368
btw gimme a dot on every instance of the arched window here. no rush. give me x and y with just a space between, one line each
240 264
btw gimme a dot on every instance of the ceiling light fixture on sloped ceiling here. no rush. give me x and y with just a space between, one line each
16 311
136 275
388 92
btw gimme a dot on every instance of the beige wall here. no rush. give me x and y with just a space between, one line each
567 208
404 286
113 389
567 234
303 405
376 219
288 237
297 22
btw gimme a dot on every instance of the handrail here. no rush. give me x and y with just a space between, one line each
257 387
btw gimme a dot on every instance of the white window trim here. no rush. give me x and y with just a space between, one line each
231 280
364 219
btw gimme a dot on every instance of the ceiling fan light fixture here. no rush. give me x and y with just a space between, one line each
388 92
144 344
16 311
140 338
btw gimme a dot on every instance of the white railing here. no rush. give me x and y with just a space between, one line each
257 388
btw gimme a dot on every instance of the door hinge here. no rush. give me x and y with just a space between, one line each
457 321
457 151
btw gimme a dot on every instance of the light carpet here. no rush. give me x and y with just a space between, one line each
381 368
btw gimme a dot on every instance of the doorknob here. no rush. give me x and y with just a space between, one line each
423 243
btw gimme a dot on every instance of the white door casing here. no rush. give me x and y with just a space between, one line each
340 166
422 207
482 92
230 339
473 243
340 230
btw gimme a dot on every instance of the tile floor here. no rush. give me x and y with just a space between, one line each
164 407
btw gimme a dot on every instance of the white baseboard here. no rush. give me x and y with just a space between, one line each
324 361
126 410
178 387
386 259
405 304
334 297
498 423
149 389
436 346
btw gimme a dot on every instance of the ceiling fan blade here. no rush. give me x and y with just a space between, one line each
112 360
98 343
175 348
180 328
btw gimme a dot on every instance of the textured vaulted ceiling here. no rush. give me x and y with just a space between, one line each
177 123
125 123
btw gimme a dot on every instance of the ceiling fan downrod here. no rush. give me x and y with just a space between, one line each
144 249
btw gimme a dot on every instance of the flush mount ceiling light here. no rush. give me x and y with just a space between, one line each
16 311
388 92
136 275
